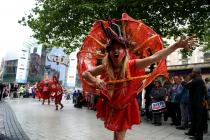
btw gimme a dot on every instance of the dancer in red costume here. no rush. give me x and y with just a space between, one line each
38 91
118 107
57 91
45 90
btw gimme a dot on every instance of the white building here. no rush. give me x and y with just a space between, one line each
72 70
23 65
176 58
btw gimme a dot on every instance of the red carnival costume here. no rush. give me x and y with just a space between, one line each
120 110
43 87
120 107
45 94
57 91
38 90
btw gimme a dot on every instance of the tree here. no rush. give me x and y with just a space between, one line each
206 36
65 23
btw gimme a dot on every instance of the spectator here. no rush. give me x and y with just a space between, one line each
208 90
68 94
79 101
15 91
75 94
184 106
174 107
6 91
167 86
197 93
1 89
157 96
148 101
21 91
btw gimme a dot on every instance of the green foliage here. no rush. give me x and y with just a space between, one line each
206 36
64 23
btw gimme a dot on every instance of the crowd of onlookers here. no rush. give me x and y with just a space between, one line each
14 90
184 99
88 100
29 90
171 99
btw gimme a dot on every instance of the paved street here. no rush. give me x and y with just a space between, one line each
10 128
42 122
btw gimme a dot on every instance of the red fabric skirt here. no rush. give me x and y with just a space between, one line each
45 95
38 94
116 119
58 98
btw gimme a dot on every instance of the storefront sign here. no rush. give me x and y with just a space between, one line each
58 59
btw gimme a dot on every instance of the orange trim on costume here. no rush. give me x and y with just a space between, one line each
101 44
129 79
123 80
152 37
139 27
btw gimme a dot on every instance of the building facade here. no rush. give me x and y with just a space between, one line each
9 71
36 64
57 62
23 65
177 65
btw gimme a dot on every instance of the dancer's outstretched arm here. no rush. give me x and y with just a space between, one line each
186 43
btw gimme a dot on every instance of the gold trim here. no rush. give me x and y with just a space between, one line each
129 79
136 49
139 26
101 44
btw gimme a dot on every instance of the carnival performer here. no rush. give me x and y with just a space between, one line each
45 91
57 92
118 115
37 90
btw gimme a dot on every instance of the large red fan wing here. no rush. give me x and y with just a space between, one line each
92 52
146 42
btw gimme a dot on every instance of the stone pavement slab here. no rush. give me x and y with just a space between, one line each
10 129
42 122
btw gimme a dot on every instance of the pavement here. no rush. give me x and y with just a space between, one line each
10 128
43 122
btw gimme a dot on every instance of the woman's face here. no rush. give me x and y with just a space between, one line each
177 80
117 53
157 84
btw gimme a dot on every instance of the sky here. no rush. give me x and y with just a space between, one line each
12 34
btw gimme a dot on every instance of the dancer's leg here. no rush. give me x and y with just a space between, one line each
56 106
61 105
119 135
43 101
48 101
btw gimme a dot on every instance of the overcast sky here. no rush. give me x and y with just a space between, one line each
12 34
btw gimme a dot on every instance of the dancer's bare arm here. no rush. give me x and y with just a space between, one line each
90 76
186 43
